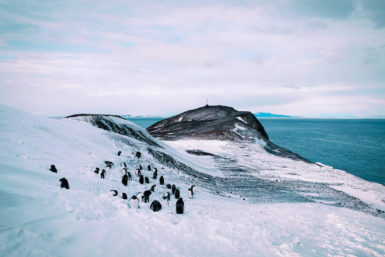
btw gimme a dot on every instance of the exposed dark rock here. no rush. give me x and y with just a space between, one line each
107 122
210 122
199 153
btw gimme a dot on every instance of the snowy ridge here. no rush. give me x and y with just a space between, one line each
38 218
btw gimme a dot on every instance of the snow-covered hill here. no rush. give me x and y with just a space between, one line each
38 218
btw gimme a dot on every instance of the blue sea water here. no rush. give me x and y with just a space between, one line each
356 146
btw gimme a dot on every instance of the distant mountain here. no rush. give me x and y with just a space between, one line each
270 115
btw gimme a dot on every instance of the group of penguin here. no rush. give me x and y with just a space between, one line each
145 196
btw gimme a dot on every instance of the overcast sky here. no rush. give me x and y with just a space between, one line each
314 58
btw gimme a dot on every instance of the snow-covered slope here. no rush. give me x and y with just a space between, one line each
38 218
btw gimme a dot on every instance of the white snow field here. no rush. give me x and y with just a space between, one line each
38 218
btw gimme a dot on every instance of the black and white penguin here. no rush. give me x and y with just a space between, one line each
109 164
177 193
134 202
141 179
173 188
190 193
140 167
161 180
138 155
124 196
146 180
125 179
119 153
129 176
153 188
64 183
149 167
96 170
125 165
53 168
179 206
146 196
103 173
155 175
155 206
165 202
137 172
114 192
168 186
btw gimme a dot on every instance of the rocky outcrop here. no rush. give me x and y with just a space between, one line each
210 122
218 123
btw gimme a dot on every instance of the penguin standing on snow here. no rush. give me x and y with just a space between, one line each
64 183
191 192
149 167
173 188
180 206
177 193
141 179
124 196
155 206
153 188
134 202
146 196
129 176
96 170
53 168
146 180
119 153
114 192
155 175
125 179
103 173
161 180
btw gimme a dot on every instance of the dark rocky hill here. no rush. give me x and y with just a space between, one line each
217 123
210 122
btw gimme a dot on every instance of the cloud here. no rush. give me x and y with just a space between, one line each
118 57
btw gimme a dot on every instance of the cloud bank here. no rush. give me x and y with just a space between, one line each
315 58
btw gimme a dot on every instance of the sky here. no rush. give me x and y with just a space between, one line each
310 58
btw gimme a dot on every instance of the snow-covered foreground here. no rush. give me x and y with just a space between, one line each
38 218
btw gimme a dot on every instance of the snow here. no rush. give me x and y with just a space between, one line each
239 118
38 218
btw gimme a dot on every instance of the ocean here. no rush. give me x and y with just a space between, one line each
356 146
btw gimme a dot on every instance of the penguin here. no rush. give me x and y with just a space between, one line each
155 175
138 173
153 188
53 168
132 155
161 180
109 164
165 202
146 180
179 206
141 179
155 169
149 167
103 173
192 189
173 188
190 193
155 206
140 196
138 155
64 183
177 193
125 165
125 179
134 202
168 196
124 196
119 153
140 167
129 176
168 186
146 196
114 192
96 170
